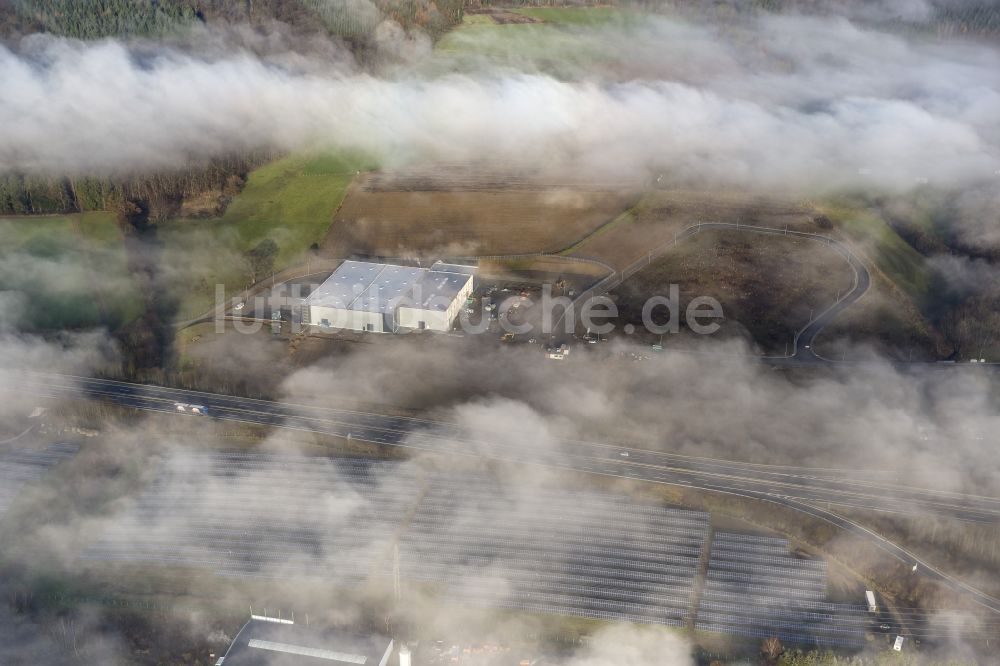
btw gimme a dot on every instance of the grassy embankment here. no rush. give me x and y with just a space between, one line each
892 317
291 201
561 41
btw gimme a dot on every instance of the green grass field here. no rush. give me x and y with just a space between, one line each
291 201
477 19
588 16
97 226
892 255
896 315
71 270
565 43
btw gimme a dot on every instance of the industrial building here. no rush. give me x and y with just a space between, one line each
268 641
385 298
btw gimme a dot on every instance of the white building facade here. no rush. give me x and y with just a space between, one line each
385 298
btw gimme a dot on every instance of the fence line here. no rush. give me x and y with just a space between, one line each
611 281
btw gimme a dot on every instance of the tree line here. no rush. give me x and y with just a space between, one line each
947 16
163 193
97 19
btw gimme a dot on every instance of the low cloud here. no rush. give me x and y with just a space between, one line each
722 407
786 103
634 646
682 404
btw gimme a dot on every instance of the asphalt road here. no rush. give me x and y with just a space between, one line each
811 491
805 339
858 489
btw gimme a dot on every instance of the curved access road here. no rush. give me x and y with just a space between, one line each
802 347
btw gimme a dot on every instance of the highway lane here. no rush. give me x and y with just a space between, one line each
828 487
419 434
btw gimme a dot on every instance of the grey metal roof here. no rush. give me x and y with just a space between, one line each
263 643
302 650
371 287
437 289
392 285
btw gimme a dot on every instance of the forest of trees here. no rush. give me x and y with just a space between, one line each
163 193
94 19
353 20
981 18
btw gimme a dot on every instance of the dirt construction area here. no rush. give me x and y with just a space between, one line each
456 213
768 286
661 214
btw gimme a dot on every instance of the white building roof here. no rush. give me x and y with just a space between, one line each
317 653
371 287
264 643
437 289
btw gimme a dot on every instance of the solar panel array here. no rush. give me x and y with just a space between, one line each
532 548
555 551
756 588
21 467
266 516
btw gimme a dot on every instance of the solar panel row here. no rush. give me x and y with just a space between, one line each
781 561
760 549
581 515
452 490
586 554
765 569
671 541
566 605
624 616
266 516
755 587
529 567
722 538
849 615
743 577
544 550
